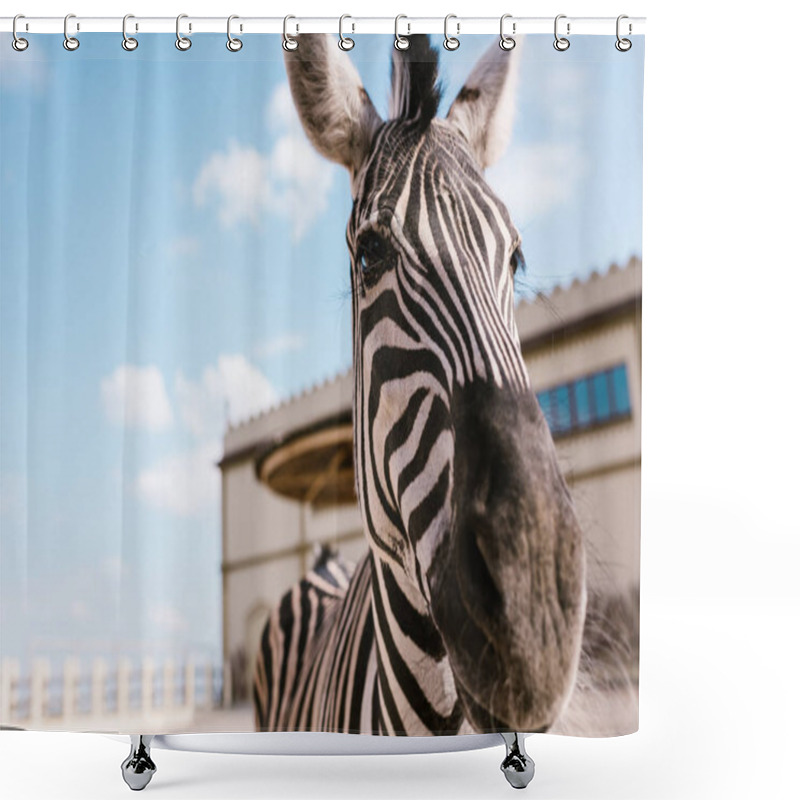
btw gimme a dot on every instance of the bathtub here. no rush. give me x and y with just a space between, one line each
139 767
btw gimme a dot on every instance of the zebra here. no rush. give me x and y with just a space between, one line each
466 615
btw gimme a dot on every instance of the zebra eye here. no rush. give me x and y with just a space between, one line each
517 261
375 254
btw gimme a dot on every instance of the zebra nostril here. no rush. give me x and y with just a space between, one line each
480 501
483 493
475 555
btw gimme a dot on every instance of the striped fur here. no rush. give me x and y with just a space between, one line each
301 672
466 613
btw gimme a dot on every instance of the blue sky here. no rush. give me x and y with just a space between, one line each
173 254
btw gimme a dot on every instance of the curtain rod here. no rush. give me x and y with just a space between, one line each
458 25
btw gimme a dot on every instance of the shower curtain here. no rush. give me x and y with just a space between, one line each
320 385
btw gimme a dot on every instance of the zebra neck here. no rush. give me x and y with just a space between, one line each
416 690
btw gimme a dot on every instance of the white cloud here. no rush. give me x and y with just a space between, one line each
565 94
112 568
78 609
285 343
232 382
185 484
280 112
136 397
168 619
302 180
531 179
292 181
239 181
184 246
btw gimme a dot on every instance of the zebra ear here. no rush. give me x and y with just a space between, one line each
483 110
333 105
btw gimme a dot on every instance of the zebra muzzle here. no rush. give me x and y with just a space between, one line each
507 594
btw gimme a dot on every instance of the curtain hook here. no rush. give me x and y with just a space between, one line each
128 42
401 42
346 43
561 43
18 43
623 45
70 42
507 42
289 42
181 42
451 42
233 44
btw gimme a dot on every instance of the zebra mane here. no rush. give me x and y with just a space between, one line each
416 90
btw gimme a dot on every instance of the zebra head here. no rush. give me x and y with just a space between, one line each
465 507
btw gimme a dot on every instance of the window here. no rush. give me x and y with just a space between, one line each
619 379
601 396
583 409
586 402
544 402
561 412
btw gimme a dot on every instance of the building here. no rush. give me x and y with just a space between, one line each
287 475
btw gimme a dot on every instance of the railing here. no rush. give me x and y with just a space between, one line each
163 697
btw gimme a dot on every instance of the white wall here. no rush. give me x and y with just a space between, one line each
256 520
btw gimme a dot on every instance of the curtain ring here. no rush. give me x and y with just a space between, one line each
561 43
623 45
233 44
181 42
451 42
401 42
128 42
70 42
507 42
18 43
345 43
289 42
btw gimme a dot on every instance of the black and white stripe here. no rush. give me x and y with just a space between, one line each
433 255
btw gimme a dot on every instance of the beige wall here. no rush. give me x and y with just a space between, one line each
603 465
255 520
609 509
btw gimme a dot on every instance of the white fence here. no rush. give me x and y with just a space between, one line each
164 698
